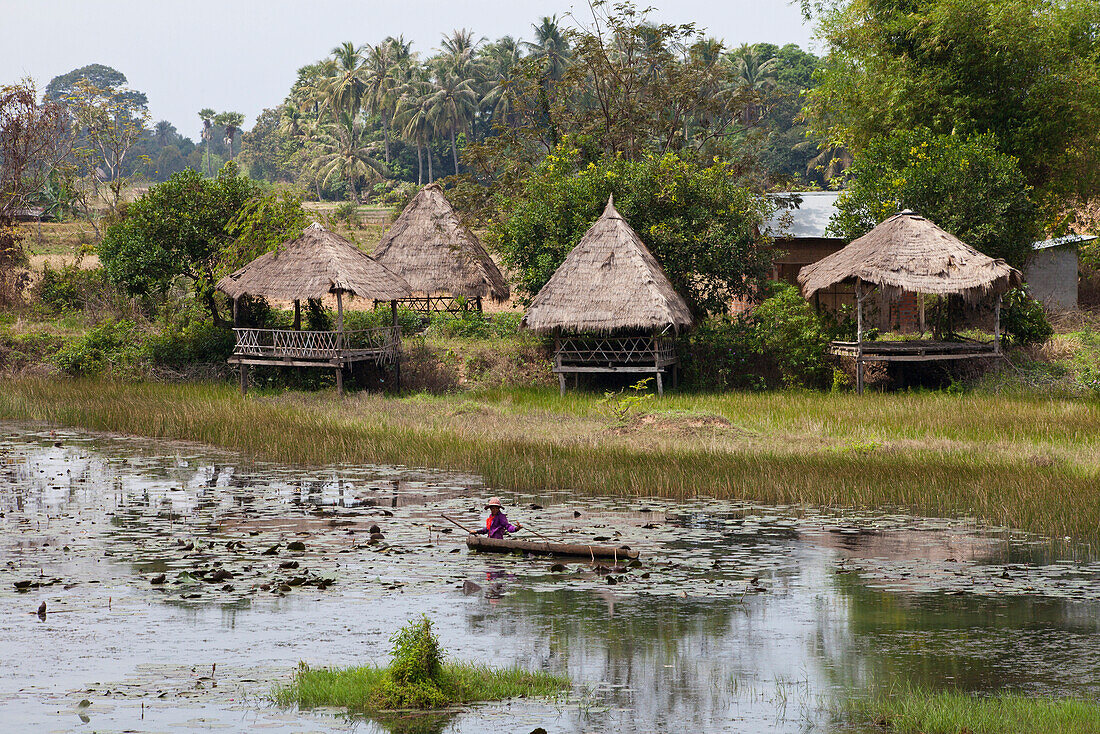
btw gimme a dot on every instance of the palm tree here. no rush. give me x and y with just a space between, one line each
550 46
163 132
232 122
207 116
460 54
386 65
414 119
346 154
451 105
754 73
502 59
343 86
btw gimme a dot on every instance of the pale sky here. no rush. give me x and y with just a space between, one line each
242 55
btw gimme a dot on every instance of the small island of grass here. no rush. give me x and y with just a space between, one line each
417 678
914 710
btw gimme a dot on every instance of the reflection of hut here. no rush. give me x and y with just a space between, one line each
443 262
610 306
909 254
317 264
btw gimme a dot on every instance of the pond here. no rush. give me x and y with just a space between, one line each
181 583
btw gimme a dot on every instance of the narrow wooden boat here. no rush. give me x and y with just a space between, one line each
544 548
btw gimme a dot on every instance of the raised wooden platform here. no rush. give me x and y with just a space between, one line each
913 351
638 354
332 349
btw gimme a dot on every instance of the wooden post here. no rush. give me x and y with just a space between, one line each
859 336
997 326
297 315
921 296
244 379
396 346
340 380
236 314
557 364
339 320
478 302
657 363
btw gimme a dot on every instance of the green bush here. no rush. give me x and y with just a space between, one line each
782 341
475 324
111 346
70 288
199 342
723 354
1023 319
417 654
409 320
793 337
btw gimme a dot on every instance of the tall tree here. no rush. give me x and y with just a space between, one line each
112 123
347 154
1026 70
451 105
232 122
207 116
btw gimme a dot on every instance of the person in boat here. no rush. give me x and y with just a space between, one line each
496 525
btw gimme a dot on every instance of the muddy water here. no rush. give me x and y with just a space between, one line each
177 594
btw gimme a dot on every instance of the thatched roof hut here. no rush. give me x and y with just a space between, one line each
908 253
317 264
430 248
609 282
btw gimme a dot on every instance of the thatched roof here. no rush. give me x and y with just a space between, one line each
428 246
908 253
315 265
610 281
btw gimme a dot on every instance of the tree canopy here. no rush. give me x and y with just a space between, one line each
1027 71
963 184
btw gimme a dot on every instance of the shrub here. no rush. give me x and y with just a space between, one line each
71 288
1023 319
723 354
199 342
415 671
793 337
475 324
113 345
410 321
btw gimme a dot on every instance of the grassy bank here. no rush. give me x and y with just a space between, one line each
1027 463
358 689
945 712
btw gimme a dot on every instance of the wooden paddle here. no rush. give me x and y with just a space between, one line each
471 532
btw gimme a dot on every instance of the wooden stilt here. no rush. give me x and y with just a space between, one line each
997 326
396 346
660 385
244 379
297 315
340 381
561 383
859 336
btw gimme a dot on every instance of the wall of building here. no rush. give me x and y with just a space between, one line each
1051 276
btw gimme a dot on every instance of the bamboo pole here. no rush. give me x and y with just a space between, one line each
859 336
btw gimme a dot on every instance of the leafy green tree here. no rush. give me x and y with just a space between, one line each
99 76
700 224
1026 70
182 227
267 149
963 184
111 123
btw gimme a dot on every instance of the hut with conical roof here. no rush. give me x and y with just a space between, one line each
442 261
909 254
610 307
317 264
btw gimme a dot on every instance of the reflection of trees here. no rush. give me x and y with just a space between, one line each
970 642
674 655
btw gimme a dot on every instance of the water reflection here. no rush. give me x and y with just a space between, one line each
841 601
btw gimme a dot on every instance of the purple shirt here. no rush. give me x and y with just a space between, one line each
496 525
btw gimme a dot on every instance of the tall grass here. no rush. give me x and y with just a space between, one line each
993 474
917 711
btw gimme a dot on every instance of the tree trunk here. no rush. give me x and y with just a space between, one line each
353 190
454 150
212 304
386 137
429 146
419 165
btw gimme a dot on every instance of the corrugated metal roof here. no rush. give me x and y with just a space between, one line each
810 217
1069 239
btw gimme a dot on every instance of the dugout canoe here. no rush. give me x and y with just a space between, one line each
544 548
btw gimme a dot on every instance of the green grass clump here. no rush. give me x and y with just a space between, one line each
417 678
918 711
